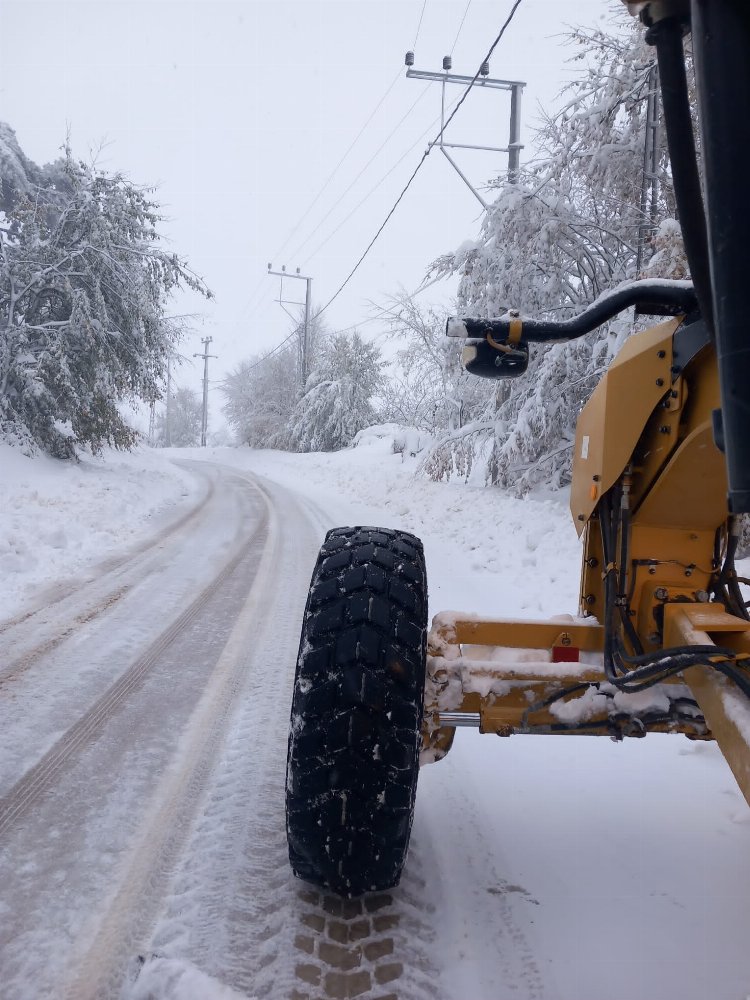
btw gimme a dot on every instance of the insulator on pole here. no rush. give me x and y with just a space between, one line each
447 63
409 59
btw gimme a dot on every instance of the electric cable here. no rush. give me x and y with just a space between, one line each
253 295
452 114
271 353
373 189
461 25
356 139
335 170
364 169
416 37
381 310
426 153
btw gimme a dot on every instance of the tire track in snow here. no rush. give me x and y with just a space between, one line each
38 778
229 909
89 599
465 871
235 910
144 881
375 946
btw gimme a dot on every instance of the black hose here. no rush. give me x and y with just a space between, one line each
667 36
623 603
676 296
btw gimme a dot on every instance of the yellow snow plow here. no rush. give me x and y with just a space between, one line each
661 478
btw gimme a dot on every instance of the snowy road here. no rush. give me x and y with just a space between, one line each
115 698
143 726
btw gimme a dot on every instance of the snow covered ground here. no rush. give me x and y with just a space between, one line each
557 868
60 517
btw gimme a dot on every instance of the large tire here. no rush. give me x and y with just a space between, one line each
355 729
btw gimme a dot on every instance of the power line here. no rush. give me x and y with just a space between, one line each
252 298
347 329
385 309
254 294
414 44
426 153
335 170
370 192
366 167
460 26
264 358
406 187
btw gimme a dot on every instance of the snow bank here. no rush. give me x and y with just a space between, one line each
59 517
486 552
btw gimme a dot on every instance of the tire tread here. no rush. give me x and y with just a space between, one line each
357 707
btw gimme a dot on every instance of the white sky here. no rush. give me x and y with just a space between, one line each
240 111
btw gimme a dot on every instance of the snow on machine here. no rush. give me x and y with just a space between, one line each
661 476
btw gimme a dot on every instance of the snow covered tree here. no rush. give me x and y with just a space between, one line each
185 420
259 398
261 392
553 243
430 390
84 284
337 402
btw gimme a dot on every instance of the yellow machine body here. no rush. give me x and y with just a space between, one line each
647 428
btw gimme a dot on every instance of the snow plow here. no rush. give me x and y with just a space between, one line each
661 478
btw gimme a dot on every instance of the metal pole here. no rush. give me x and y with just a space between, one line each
721 34
304 334
168 415
442 112
205 355
204 422
306 341
650 178
514 146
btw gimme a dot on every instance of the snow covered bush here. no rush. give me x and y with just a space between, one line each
84 284
261 393
185 420
259 398
427 388
337 402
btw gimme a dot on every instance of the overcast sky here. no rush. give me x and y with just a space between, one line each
239 112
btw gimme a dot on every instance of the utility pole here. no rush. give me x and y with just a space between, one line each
303 343
205 355
514 147
151 421
168 415
650 175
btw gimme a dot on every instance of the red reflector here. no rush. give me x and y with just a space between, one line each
565 654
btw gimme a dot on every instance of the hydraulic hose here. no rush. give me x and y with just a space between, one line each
657 295
666 36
